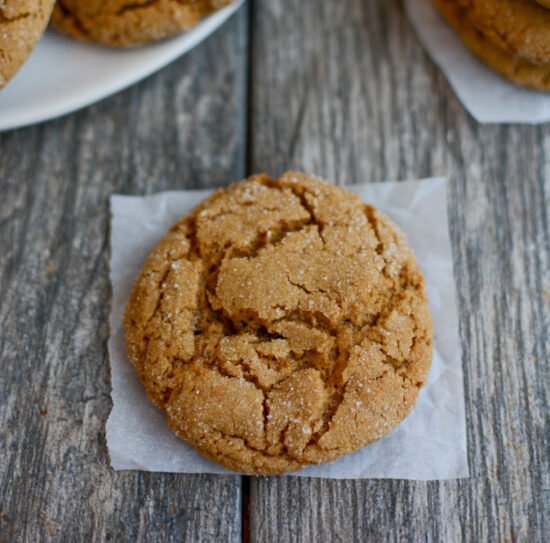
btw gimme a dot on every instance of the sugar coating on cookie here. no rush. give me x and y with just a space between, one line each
123 23
22 23
282 323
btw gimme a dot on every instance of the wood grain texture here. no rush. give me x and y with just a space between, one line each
344 90
183 127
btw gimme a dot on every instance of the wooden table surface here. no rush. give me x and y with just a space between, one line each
342 89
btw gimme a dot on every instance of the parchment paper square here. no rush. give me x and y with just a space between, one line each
429 445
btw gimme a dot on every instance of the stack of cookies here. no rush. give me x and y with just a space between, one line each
511 36
118 23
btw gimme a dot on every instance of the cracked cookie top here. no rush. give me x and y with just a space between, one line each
22 22
124 23
282 323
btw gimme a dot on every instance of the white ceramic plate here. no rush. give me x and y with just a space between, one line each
63 75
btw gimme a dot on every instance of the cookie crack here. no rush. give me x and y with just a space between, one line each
299 285
138 6
263 452
252 379
272 183
337 396
369 214
76 20
9 20
271 238
135 6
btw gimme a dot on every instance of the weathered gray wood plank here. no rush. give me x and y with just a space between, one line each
183 127
344 90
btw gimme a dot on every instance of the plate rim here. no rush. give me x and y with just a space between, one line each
188 41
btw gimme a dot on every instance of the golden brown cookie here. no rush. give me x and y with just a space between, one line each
519 27
123 23
519 70
282 323
22 22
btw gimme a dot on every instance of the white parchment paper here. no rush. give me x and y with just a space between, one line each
430 444
486 95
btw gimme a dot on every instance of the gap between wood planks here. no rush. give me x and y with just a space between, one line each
248 165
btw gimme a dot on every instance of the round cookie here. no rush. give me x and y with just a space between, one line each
519 27
281 323
123 23
22 23
518 70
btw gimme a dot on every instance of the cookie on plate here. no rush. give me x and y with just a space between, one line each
22 23
281 323
521 53
123 23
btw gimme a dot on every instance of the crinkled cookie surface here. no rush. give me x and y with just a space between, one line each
123 23
282 323
22 22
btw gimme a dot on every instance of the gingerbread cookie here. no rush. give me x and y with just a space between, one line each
22 22
123 23
517 69
520 28
281 323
